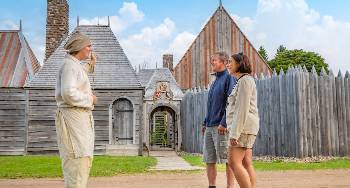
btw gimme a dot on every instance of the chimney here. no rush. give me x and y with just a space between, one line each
168 61
57 25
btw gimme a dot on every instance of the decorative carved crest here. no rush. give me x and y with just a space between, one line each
163 91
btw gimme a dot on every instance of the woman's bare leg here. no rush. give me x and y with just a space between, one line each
236 161
248 165
230 177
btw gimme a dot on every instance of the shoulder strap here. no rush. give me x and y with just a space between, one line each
242 76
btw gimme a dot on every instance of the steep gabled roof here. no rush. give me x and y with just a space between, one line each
220 33
145 75
113 69
150 77
18 63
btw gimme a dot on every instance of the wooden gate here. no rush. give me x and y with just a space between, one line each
163 133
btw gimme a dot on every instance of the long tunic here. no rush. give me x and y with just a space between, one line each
74 121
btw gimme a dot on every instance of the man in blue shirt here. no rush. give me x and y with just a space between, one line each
214 126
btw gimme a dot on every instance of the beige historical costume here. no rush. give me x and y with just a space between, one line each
74 121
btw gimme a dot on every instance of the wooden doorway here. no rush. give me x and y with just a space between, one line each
163 130
122 122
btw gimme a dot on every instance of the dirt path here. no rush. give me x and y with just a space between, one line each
269 179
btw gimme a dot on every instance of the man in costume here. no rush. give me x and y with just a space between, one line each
74 120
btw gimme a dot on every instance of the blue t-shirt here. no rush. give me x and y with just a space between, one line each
217 99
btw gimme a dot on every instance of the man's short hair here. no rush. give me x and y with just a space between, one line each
223 57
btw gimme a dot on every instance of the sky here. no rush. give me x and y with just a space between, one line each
146 29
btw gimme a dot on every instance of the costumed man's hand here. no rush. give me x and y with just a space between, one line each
93 59
94 99
92 62
222 130
233 141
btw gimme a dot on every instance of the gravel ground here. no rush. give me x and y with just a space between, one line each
268 179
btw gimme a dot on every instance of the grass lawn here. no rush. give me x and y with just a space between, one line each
50 166
196 160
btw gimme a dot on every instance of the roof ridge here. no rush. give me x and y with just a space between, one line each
10 31
113 68
115 38
19 60
246 37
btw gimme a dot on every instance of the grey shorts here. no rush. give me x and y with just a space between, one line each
214 146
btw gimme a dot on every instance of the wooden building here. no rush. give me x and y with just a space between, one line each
18 63
27 114
161 109
125 109
220 33
118 113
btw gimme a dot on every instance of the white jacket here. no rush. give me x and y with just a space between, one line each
242 111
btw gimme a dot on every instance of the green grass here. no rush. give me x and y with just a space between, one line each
280 165
343 163
50 166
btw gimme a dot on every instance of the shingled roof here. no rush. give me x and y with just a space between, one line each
150 77
145 75
18 63
113 69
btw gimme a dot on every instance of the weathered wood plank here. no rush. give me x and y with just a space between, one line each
311 117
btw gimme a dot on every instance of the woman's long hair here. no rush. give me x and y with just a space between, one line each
243 63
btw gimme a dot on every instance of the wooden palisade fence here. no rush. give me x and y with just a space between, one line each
301 114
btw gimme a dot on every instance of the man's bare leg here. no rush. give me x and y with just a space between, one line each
211 173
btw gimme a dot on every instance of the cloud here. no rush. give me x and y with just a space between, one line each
38 49
180 44
8 25
36 43
297 26
128 15
130 11
147 45
246 23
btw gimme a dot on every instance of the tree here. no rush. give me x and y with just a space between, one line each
286 58
281 49
263 53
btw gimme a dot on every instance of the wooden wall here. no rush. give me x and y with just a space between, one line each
41 122
193 111
40 107
220 34
304 114
12 121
